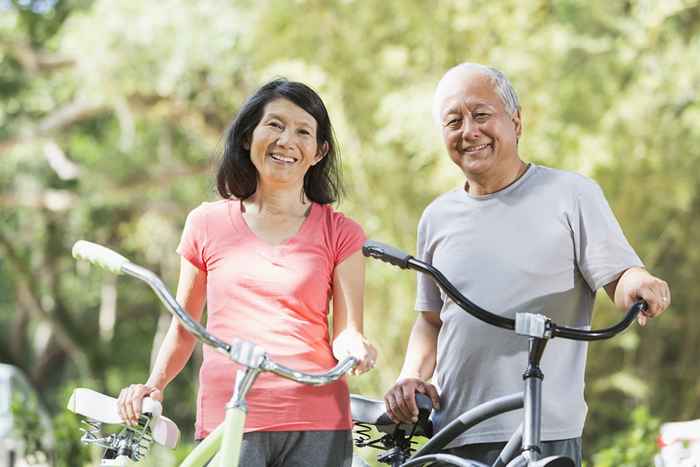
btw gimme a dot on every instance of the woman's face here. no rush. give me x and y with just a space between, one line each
283 145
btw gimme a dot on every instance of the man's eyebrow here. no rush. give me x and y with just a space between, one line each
480 105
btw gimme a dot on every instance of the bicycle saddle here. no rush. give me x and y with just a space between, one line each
373 412
102 408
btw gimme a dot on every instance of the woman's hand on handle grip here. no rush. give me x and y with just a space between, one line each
131 399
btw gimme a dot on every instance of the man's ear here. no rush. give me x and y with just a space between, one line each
322 152
518 122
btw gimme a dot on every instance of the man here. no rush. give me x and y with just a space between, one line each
517 237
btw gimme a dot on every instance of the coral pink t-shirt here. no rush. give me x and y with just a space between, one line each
277 297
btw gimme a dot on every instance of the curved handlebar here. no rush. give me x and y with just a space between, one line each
239 351
333 374
403 260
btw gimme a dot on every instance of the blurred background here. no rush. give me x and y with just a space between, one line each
111 122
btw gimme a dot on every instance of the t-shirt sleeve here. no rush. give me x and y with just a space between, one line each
602 251
193 239
428 295
348 237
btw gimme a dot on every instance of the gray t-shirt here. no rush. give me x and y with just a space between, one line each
544 244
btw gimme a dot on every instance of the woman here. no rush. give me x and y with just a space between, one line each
268 257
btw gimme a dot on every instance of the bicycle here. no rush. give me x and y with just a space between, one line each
523 448
221 447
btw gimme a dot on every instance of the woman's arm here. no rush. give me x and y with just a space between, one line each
176 348
348 292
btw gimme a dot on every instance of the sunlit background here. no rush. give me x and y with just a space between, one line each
111 118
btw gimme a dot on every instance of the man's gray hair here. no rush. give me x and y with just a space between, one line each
500 82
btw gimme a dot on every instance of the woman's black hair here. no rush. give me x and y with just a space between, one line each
237 176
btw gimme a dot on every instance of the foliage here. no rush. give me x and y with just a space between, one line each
634 446
111 119
69 452
29 429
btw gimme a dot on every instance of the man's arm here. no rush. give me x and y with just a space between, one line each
636 283
418 367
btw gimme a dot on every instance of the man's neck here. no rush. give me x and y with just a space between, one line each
491 183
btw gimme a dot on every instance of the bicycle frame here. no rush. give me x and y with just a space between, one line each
223 445
538 329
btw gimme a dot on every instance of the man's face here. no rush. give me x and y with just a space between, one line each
480 136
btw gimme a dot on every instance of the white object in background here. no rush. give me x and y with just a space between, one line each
680 444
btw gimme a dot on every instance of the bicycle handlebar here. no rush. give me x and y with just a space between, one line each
403 260
239 351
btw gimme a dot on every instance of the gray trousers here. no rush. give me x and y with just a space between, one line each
297 449
487 453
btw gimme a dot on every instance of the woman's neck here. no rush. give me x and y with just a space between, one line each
277 201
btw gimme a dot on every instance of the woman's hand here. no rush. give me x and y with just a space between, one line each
131 398
350 343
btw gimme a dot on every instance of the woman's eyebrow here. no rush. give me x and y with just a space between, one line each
297 122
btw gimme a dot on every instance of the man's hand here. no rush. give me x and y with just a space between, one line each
636 283
400 400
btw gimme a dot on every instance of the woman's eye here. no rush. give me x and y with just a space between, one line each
304 132
275 124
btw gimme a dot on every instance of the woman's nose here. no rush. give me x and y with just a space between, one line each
284 138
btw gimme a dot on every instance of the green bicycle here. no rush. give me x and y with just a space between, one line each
131 444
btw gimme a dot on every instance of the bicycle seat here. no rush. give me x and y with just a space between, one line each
102 408
373 412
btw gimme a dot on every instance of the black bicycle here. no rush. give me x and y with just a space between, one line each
523 448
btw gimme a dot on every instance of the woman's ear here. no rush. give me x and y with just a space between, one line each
322 152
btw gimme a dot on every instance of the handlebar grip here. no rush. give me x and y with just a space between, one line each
99 255
386 253
425 405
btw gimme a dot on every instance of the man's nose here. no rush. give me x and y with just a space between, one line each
470 129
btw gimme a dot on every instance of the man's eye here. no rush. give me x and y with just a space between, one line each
481 117
454 123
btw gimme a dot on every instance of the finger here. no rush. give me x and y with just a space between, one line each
128 408
135 403
653 301
665 296
409 397
364 366
400 410
642 319
405 395
156 394
431 392
371 357
390 406
121 405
